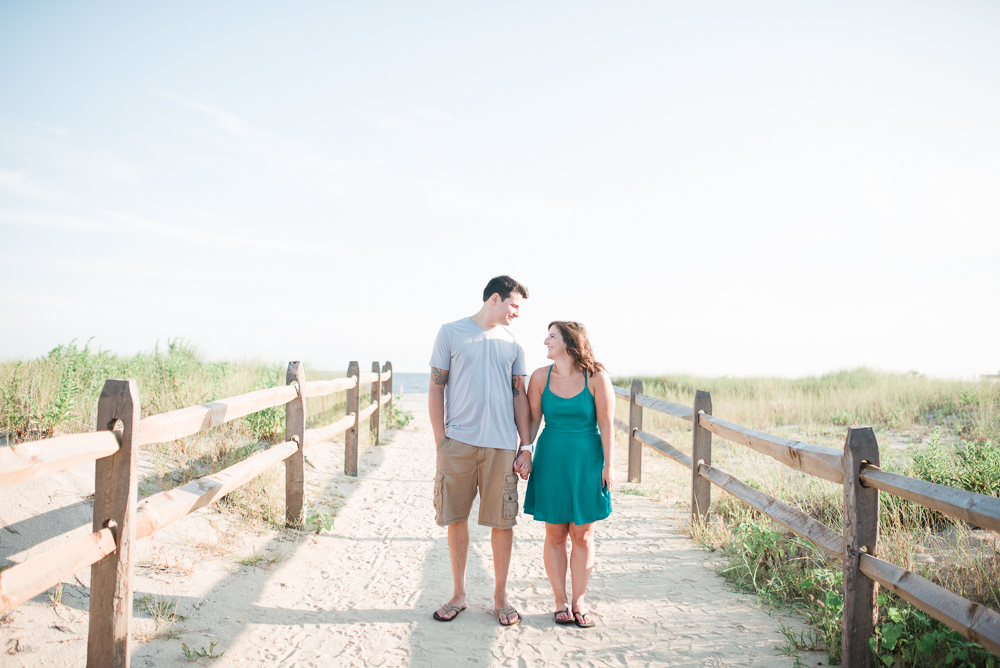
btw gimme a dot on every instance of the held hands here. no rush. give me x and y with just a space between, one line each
608 477
522 465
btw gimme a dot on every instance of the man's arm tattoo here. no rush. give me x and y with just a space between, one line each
440 376
516 384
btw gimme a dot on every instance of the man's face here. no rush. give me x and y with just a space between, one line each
511 306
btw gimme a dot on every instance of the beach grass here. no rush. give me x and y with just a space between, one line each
58 393
945 431
890 401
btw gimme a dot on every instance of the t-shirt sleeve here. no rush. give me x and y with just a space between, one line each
441 355
520 367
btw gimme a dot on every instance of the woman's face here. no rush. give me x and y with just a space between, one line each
554 343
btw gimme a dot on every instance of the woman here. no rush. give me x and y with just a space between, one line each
571 478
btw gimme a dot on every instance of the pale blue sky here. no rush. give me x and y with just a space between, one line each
769 188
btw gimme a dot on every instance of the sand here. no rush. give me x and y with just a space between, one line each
363 593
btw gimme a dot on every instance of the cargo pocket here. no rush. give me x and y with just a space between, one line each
438 500
510 496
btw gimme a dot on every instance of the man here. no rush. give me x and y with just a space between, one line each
478 408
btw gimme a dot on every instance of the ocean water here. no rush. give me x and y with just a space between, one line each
410 383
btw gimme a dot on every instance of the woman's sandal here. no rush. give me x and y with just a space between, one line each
569 617
578 616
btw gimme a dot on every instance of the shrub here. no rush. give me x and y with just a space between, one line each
974 466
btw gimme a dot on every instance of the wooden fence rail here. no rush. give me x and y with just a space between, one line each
37 459
856 467
120 518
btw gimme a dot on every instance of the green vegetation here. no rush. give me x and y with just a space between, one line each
55 595
261 559
858 396
59 391
163 612
395 416
633 490
908 637
975 467
320 520
193 655
58 394
939 430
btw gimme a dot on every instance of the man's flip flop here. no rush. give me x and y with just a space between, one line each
569 619
449 608
578 616
508 611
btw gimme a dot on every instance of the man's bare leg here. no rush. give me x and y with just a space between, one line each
458 550
502 541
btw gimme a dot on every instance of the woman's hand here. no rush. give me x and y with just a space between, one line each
522 465
608 476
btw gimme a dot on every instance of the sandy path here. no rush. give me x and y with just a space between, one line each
363 594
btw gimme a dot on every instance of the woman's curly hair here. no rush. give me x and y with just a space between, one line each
578 345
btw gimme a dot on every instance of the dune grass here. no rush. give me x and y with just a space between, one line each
58 394
858 396
945 431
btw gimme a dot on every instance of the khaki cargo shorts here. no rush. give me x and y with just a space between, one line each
464 468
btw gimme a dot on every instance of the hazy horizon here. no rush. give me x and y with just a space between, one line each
420 379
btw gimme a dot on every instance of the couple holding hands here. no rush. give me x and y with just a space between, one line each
481 408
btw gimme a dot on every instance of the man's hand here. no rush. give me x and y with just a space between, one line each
522 465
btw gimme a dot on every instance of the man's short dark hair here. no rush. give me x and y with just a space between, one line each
503 286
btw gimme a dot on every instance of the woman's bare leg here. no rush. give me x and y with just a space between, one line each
581 561
555 561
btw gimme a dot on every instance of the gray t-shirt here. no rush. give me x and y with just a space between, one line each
478 400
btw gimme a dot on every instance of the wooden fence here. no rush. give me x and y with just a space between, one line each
856 467
120 518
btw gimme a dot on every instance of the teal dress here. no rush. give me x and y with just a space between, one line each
566 483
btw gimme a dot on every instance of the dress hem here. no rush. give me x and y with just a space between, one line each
542 519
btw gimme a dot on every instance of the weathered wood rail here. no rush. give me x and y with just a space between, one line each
856 467
120 518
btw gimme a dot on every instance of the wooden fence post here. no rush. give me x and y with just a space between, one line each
701 451
861 518
115 500
375 428
295 430
387 383
351 435
634 423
